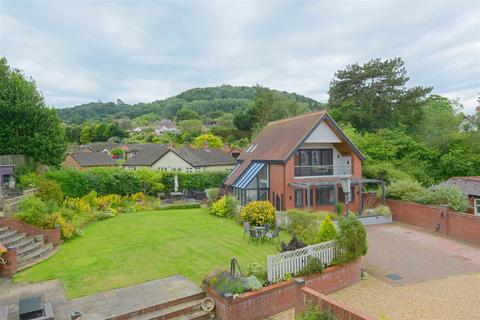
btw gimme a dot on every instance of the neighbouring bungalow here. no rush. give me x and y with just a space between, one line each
471 187
183 159
299 162
133 149
87 160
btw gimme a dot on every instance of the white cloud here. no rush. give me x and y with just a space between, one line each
143 51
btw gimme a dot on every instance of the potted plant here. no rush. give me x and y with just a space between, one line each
3 250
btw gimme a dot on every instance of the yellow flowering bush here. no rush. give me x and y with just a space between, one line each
66 228
2 249
110 200
138 197
258 213
219 208
77 204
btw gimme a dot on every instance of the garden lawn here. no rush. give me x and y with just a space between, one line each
137 247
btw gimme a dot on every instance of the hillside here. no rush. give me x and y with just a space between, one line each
208 102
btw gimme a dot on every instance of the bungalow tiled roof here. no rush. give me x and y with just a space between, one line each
100 146
199 157
279 139
147 156
468 185
96 159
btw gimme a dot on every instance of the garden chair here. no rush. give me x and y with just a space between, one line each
253 235
274 234
265 231
246 228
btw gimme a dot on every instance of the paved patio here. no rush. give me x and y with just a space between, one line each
102 305
401 254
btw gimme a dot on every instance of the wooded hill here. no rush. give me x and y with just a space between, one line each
209 103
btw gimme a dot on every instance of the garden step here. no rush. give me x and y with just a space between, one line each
6 235
26 241
32 256
24 250
11 242
173 311
3 230
197 315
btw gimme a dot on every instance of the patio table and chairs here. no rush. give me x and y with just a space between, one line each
261 232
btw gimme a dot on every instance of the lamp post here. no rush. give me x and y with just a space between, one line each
346 182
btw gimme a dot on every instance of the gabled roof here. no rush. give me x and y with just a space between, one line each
279 139
95 159
100 146
149 147
468 185
147 156
199 157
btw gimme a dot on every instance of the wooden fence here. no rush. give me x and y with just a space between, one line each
292 262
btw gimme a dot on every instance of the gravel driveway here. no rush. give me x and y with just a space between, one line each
417 275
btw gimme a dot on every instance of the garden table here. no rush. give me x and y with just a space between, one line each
260 230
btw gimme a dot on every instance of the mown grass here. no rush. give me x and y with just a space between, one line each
137 247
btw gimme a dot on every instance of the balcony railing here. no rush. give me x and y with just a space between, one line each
323 170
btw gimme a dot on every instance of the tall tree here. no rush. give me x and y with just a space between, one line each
374 95
29 127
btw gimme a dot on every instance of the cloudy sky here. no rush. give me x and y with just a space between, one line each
148 50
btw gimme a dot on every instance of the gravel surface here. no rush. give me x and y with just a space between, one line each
451 298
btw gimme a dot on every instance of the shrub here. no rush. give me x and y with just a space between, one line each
304 225
328 230
258 213
339 209
232 204
74 183
313 265
313 312
406 190
259 271
109 201
77 204
229 285
252 283
66 228
213 194
28 180
91 198
293 244
378 211
49 190
445 195
351 238
33 211
219 208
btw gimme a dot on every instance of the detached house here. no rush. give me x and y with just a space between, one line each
299 162
184 159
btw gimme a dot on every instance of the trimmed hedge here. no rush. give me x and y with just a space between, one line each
75 183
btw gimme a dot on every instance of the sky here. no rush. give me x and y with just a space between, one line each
141 51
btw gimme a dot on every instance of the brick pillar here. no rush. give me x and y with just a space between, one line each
10 268
299 296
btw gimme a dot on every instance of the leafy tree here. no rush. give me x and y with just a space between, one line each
28 126
351 238
118 153
213 141
192 127
85 135
149 181
186 114
374 95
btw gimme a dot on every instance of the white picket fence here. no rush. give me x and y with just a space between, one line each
291 262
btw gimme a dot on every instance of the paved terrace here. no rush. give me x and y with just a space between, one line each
103 305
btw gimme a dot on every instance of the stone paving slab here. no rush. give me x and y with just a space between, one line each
104 304
400 251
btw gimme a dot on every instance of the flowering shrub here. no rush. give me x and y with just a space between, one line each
219 208
110 200
258 213
77 204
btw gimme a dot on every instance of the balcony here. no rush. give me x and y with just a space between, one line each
323 170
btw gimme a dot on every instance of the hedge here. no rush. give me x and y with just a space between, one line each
75 183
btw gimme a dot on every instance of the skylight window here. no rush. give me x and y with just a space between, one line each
251 148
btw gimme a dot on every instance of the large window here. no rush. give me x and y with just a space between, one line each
476 205
257 188
324 195
313 162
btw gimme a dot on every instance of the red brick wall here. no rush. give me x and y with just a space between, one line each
280 297
52 235
463 226
342 311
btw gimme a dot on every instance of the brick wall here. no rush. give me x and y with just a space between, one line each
10 267
463 226
306 296
52 235
283 296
